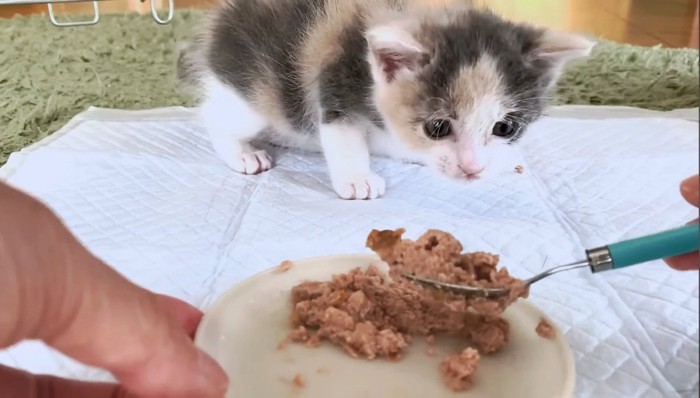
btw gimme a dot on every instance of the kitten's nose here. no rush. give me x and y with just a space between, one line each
471 169
469 163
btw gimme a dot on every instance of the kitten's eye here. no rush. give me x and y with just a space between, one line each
503 129
438 129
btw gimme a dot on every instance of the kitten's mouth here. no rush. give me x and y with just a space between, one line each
469 176
462 176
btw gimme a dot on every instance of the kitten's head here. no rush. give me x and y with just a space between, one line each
455 85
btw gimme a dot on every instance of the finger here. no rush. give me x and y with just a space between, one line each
685 262
185 315
19 384
690 189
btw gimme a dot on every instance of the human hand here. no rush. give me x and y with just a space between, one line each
690 189
52 289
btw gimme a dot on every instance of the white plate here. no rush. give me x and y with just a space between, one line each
243 328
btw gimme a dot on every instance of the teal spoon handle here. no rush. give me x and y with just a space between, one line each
647 248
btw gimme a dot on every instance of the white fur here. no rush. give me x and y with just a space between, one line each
383 143
347 155
231 124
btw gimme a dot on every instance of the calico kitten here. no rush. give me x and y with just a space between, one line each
431 81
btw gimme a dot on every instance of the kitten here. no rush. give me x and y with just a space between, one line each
434 82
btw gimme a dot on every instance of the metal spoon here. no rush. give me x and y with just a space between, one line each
613 256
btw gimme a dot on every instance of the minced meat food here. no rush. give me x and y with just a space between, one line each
298 381
457 370
284 266
370 315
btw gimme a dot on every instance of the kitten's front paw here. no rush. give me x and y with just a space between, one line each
360 187
254 162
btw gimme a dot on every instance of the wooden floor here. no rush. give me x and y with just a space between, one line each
672 23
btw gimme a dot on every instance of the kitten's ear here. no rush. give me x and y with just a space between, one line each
394 49
561 47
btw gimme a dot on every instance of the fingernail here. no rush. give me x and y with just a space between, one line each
211 374
685 184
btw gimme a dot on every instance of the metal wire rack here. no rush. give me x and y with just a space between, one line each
96 11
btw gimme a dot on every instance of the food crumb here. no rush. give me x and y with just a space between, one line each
519 169
457 370
298 380
284 266
545 329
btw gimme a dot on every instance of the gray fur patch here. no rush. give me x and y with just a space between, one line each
256 41
346 84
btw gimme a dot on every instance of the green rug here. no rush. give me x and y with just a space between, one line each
48 74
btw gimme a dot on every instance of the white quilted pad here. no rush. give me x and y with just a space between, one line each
144 191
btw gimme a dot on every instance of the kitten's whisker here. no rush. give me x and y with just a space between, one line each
523 96
439 114
516 118
515 102
442 100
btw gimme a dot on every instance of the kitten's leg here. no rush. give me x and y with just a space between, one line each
231 123
347 155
